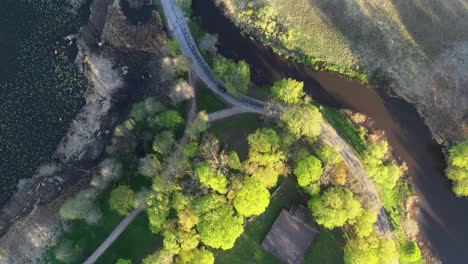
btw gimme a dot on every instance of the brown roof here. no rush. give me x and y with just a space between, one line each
290 237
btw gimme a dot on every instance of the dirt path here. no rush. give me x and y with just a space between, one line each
114 235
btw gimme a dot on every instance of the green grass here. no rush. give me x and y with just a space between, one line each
327 249
206 101
233 132
345 128
248 247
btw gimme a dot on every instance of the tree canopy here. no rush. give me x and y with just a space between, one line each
457 169
212 178
196 256
264 140
220 228
335 207
288 91
252 198
170 119
235 75
308 170
122 200
302 120
159 257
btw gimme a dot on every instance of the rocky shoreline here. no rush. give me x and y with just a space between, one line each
117 57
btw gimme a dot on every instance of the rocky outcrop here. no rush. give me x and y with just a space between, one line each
29 222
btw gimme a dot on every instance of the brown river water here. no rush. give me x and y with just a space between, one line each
443 218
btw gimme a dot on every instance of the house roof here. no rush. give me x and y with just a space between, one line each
290 236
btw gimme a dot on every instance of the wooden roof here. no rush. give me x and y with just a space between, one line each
290 236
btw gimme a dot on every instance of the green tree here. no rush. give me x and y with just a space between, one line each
235 75
364 224
122 200
458 155
264 140
149 166
234 161
196 256
370 250
410 252
179 201
288 91
384 174
266 167
158 209
170 241
329 155
186 6
212 178
188 240
303 120
308 170
457 169
67 252
159 257
219 228
174 46
335 207
252 199
198 125
187 219
164 142
170 119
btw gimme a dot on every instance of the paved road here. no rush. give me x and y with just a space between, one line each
179 28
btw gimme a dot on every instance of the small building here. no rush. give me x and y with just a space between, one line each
291 236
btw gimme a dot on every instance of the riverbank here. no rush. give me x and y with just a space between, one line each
120 71
441 216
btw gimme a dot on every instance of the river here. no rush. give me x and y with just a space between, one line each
443 219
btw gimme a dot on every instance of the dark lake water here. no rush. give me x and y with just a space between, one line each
40 88
444 218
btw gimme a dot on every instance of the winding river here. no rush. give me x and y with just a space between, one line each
443 218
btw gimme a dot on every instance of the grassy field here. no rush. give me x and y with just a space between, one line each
233 132
206 101
327 249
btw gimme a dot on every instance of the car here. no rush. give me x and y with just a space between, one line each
222 88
